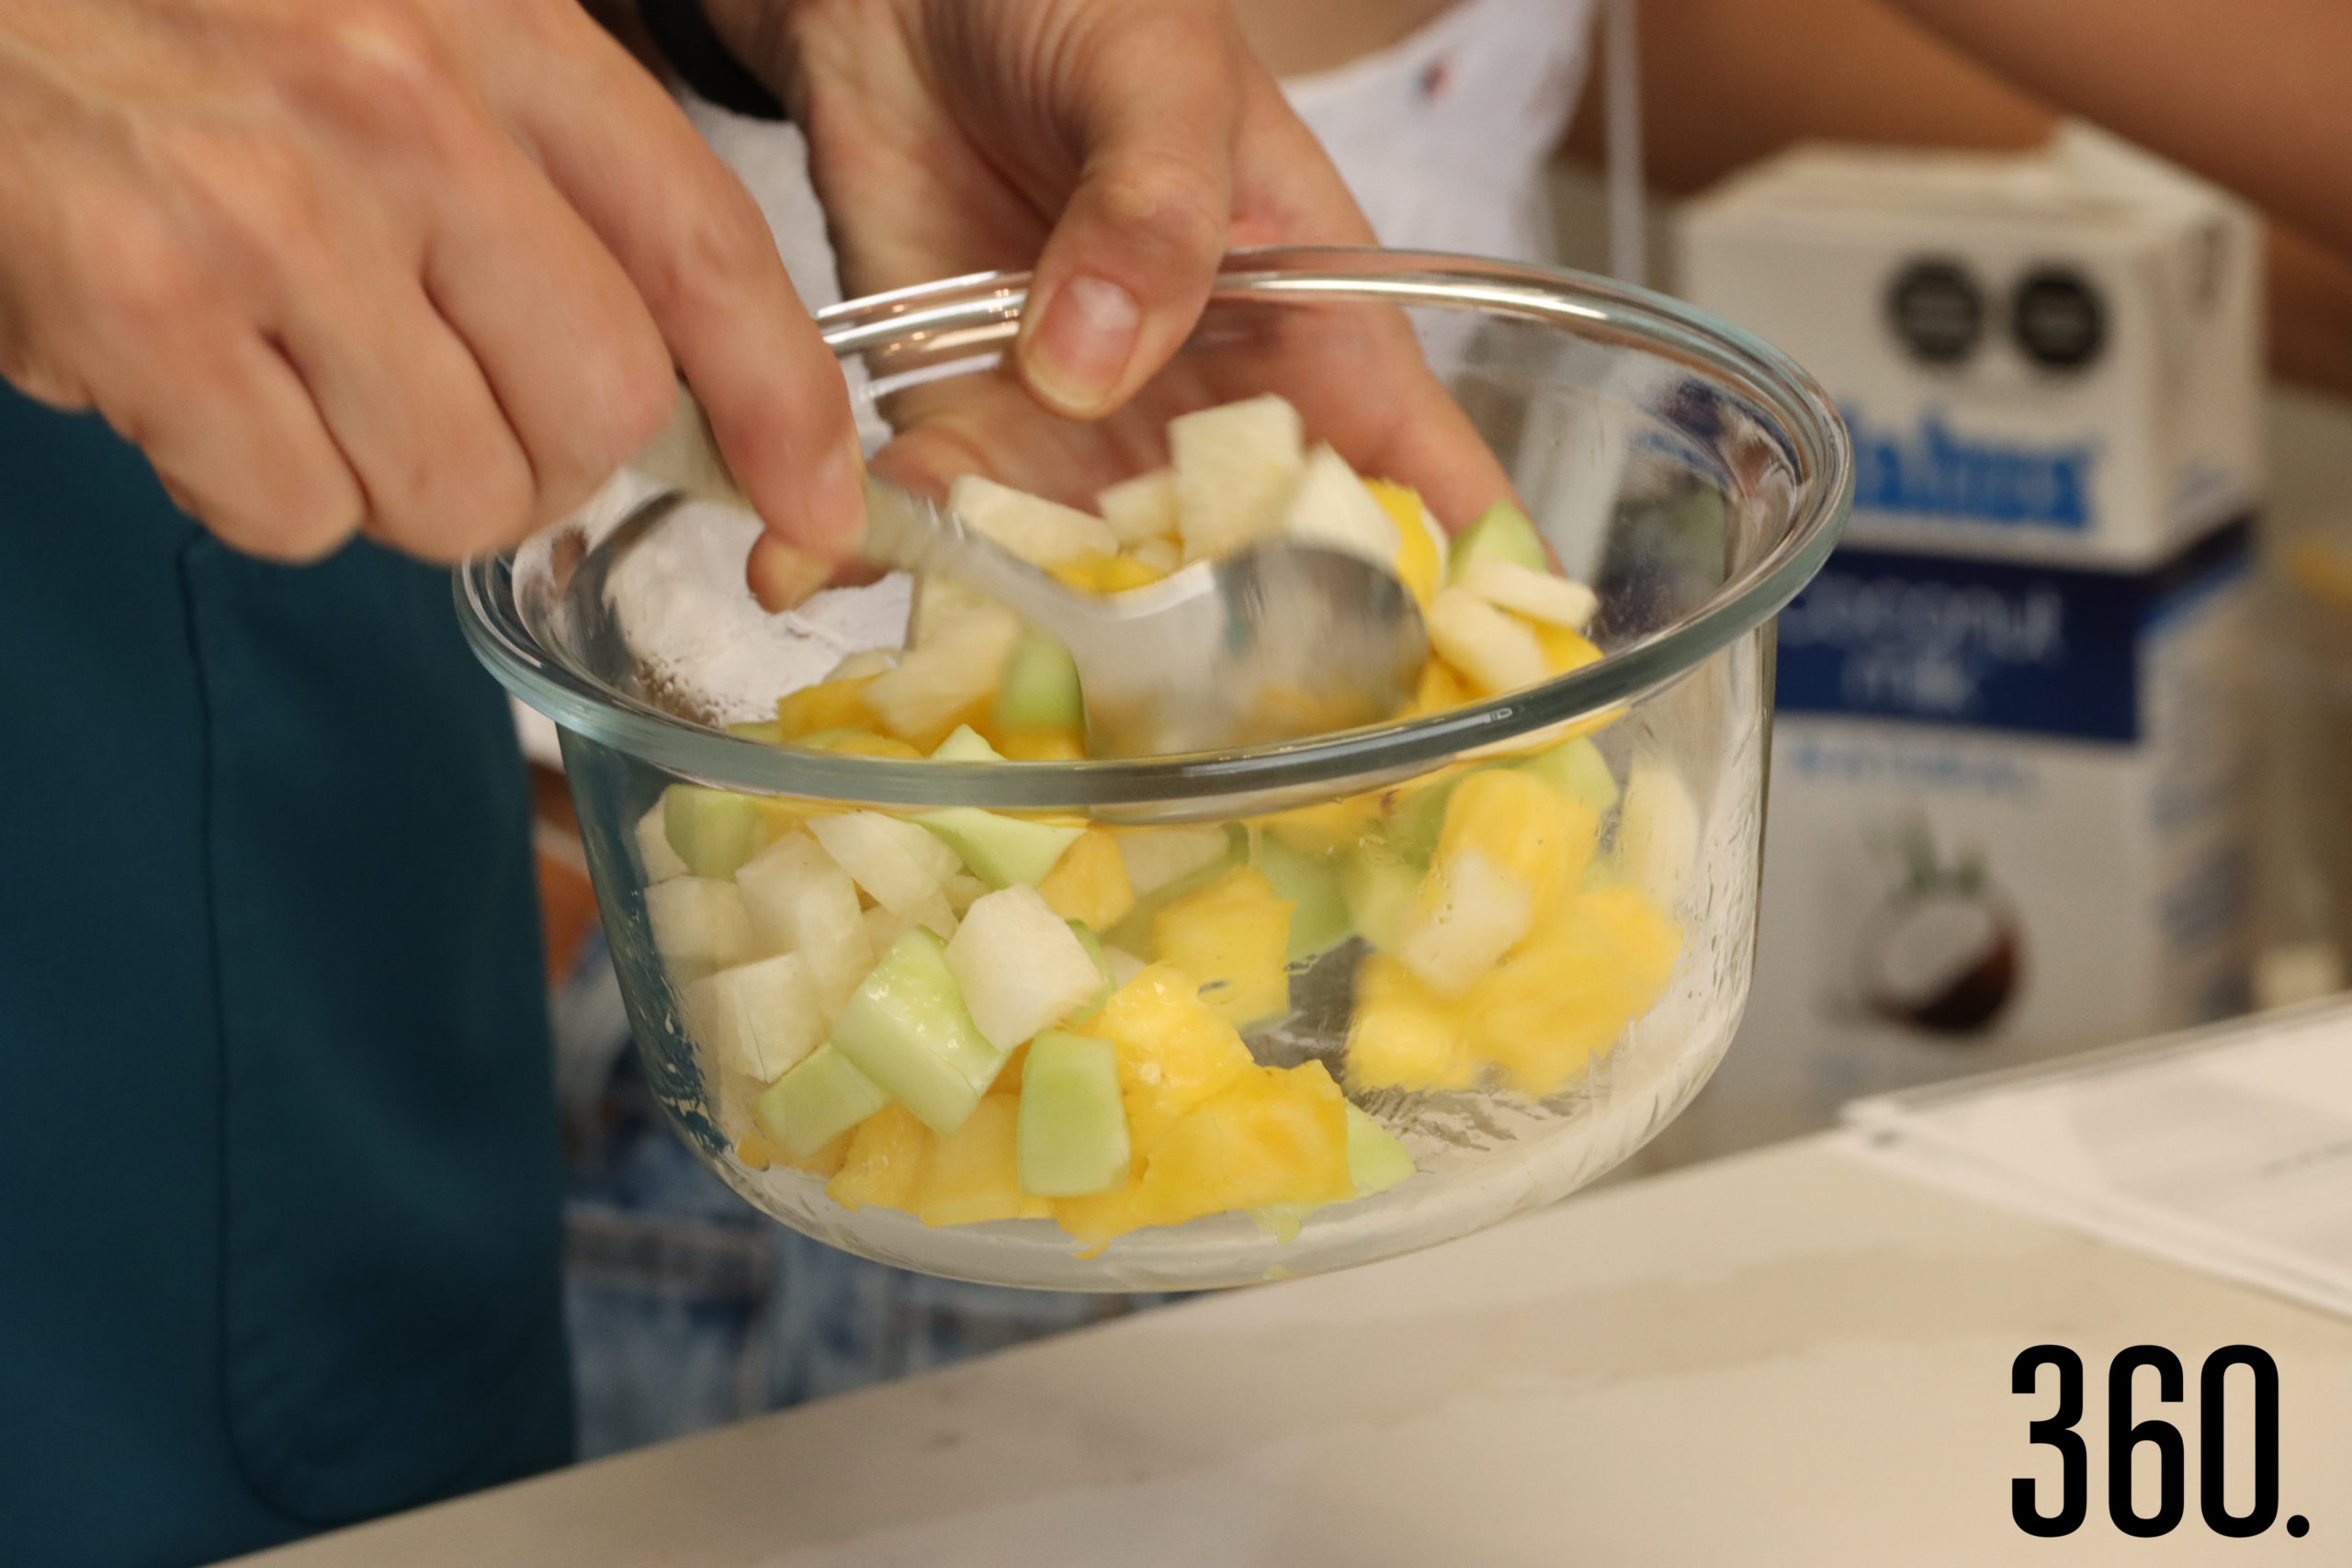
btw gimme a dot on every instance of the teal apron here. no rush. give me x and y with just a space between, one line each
278 1164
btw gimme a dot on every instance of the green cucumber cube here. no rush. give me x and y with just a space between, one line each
713 831
1502 533
1319 916
907 1028
1000 851
1073 1125
1040 687
1577 770
1376 1160
817 1101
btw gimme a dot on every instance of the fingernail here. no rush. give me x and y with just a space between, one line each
781 576
836 498
1083 343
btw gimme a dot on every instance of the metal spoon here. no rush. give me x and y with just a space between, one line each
1274 642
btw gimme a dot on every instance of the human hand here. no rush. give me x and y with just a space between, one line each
413 268
1119 149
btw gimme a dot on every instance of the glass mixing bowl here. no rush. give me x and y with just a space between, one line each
1690 474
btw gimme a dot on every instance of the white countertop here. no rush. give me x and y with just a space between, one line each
1785 1358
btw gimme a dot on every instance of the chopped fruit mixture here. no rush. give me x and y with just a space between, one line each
972 1015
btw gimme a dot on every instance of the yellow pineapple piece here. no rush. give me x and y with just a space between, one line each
1563 650
1510 845
826 1162
754 1150
1233 937
1102 1217
1089 882
1405 1035
860 743
1326 829
1007 1078
884 1165
1561 998
780 815
1441 687
1274 1135
828 704
1035 745
1418 564
1174 1051
1094 573
973 1174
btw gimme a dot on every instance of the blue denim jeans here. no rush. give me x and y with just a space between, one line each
687 1308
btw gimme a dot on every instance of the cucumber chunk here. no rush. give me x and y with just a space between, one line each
1319 916
1073 1125
817 1101
1577 770
907 1028
1502 533
1040 690
1000 851
713 831
1376 1160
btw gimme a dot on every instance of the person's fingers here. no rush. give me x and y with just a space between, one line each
1131 258
699 253
576 364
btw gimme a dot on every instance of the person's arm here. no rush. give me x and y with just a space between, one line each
1727 81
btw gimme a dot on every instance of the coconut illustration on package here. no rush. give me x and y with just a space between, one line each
1944 954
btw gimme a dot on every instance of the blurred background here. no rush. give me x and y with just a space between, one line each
2061 752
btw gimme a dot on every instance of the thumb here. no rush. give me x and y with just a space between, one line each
1129 263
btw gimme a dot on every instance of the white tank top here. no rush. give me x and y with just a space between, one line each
1443 137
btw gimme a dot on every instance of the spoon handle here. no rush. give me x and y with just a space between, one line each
906 531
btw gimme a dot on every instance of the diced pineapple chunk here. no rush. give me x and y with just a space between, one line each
1233 937
948 678
1563 650
1236 465
1041 532
1492 650
1595 964
1274 1135
1032 744
1089 882
1105 574
1441 687
1404 1034
1511 844
837 703
973 1174
884 1167
1141 508
1326 829
1174 1051
1420 542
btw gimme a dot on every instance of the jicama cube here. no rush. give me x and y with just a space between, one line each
1658 835
655 858
759 1018
897 864
1041 532
1511 844
1236 465
699 924
1493 651
1142 508
908 1030
1332 508
1538 595
801 901
1162 857
1019 966
884 926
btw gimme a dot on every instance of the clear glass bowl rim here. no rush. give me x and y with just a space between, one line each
1814 440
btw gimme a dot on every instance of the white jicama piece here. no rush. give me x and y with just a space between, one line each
952 668
963 890
872 661
1332 508
1494 652
759 1018
884 926
1041 532
1464 919
1123 965
1236 465
1538 595
801 902
1657 831
1142 508
1163 556
660 861
900 864
699 924
1154 857
1020 966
